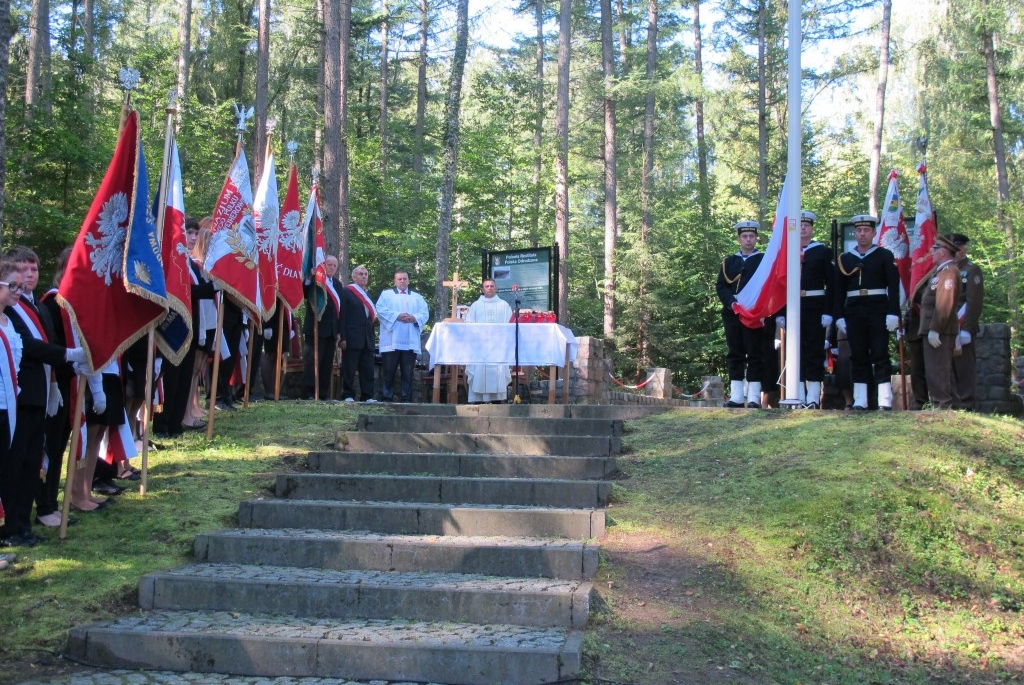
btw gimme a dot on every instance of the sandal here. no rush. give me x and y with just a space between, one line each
130 473
197 425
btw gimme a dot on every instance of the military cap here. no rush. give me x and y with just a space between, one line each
745 226
944 242
808 216
958 239
860 219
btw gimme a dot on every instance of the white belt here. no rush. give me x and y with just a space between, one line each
866 291
811 293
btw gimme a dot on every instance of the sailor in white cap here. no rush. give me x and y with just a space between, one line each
867 306
746 346
817 274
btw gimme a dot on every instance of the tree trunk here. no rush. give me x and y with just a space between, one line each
5 46
562 159
646 219
384 96
332 123
702 145
538 122
344 220
624 41
450 141
610 181
883 79
89 31
1002 180
421 93
318 132
262 84
37 78
184 50
762 114
244 20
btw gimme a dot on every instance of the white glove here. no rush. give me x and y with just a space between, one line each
53 400
892 322
267 332
76 354
826 320
933 339
965 338
841 325
80 369
157 365
780 321
99 401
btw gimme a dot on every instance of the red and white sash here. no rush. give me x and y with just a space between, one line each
371 311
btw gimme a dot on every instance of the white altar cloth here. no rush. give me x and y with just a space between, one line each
540 344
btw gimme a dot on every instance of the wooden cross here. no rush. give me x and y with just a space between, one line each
455 284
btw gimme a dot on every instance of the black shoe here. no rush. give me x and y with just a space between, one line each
885 409
734 405
753 405
225 406
107 487
857 407
19 540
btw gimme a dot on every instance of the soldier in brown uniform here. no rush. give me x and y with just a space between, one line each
939 324
915 344
972 294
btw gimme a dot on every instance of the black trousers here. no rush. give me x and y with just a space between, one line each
19 475
392 361
177 386
747 350
812 345
327 346
869 345
58 433
357 361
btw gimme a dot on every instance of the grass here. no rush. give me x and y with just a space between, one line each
742 547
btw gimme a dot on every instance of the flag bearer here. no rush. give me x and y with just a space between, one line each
745 358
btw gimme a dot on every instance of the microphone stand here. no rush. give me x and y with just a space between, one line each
517 399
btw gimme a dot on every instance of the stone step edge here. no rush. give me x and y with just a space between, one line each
227 642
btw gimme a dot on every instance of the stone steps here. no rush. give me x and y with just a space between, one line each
491 425
413 518
362 649
411 554
478 443
575 494
621 412
327 549
345 594
464 465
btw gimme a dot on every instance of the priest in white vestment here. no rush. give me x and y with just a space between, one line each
488 382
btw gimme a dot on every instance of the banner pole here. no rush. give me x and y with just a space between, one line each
211 392
76 438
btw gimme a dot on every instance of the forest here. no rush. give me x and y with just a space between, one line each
631 134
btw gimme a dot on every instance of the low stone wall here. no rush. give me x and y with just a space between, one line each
996 392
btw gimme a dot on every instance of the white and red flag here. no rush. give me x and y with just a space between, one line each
174 333
765 292
267 210
113 288
231 257
289 245
927 230
892 234
315 255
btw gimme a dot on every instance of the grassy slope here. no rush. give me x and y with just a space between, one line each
815 547
744 546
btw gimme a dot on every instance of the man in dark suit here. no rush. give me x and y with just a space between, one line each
20 475
328 331
358 316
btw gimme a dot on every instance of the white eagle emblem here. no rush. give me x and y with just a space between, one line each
290 231
107 243
890 240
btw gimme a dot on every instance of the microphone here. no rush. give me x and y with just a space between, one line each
515 291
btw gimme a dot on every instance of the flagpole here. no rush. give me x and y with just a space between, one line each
211 392
316 351
161 210
280 355
147 411
792 204
76 438
129 81
248 365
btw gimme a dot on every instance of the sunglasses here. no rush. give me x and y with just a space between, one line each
15 287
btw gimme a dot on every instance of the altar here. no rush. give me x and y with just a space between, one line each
540 344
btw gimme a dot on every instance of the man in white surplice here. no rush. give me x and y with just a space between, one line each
488 382
402 313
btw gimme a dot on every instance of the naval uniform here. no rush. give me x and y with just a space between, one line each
817 274
867 290
746 346
972 294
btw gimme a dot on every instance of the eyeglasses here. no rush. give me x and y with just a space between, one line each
15 287
938 247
